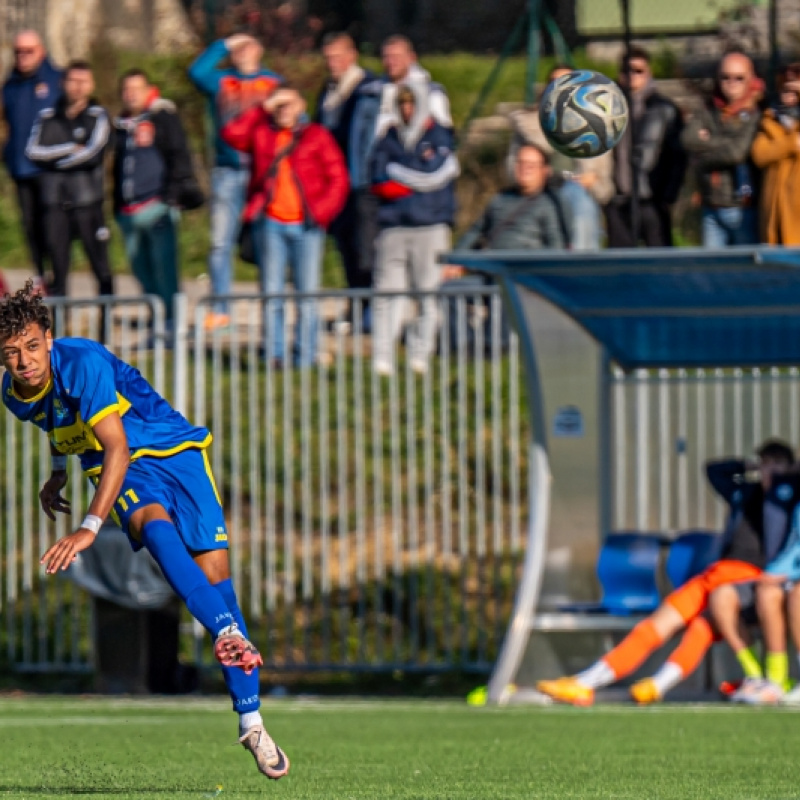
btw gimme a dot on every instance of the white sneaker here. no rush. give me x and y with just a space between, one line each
384 368
758 692
270 759
792 698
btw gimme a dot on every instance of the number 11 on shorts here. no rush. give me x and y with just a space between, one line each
123 503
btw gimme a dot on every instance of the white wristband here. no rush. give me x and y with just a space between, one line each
92 523
59 463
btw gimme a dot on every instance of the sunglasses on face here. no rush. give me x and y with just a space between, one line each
24 51
634 71
736 78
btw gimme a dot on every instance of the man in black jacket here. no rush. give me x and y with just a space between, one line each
153 180
650 154
335 110
68 143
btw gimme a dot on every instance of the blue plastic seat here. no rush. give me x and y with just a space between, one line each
690 554
627 569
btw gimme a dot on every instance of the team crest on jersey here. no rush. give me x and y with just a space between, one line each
41 90
784 493
59 410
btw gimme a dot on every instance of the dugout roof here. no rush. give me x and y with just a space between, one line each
670 307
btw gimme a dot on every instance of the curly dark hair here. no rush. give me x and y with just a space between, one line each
19 310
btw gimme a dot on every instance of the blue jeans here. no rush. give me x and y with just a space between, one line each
585 234
151 245
279 243
228 191
723 227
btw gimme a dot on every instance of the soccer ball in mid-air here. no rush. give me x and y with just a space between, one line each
583 114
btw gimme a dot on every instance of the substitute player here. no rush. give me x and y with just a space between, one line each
743 561
151 474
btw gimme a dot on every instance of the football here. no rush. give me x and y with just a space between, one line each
583 114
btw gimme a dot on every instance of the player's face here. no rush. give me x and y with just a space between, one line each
769 466
27 358
78 85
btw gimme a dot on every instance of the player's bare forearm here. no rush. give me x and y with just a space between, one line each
116 459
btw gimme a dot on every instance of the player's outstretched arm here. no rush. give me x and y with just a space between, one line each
116 458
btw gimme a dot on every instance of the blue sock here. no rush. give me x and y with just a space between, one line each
242 688
187 580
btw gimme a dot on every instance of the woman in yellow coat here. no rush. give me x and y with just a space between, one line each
776 151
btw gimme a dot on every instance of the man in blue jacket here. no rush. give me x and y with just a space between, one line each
413 171
33 85
231 91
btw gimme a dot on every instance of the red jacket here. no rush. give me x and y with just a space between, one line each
316 163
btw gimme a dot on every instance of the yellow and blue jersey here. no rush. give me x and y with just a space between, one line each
87 384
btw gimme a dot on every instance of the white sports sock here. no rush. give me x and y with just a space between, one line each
249 720
667 677
231 630
599 674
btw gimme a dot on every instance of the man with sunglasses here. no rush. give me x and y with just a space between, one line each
719 138
33 85
649 157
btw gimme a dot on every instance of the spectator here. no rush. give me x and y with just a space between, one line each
586 183
719 138
375 112
298 186
400 68
526 217
776 151
33 85
413 169
231 91
335 110
153 179
649 153
68 143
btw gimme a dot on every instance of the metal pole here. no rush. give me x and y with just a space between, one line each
774 52
534 34
626 21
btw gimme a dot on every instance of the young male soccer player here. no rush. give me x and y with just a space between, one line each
151 474
743 561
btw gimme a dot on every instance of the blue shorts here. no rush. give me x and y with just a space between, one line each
184 486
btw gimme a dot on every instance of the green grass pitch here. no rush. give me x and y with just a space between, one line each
363 750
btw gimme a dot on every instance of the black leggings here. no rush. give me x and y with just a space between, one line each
87 224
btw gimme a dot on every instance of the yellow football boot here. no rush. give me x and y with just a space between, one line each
645 692
567 690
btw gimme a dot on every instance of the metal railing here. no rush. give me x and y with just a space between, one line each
376 521
665 425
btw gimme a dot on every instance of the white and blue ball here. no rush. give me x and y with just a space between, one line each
583 114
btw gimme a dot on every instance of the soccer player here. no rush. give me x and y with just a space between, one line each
151 475
743 561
